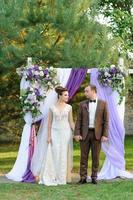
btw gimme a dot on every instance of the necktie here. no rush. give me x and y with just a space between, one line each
92 101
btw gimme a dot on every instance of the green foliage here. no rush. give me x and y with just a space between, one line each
11 121
79 96
54 32
129 85
121 20
58 32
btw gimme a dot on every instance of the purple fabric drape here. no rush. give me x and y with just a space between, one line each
76 78
115 149
28 176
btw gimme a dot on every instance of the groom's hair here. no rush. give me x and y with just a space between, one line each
93 87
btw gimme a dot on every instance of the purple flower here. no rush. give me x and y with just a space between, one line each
37 92
36 68
29 74
46 72
112 70
36 77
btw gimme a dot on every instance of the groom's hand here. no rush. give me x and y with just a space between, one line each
104 139
78 138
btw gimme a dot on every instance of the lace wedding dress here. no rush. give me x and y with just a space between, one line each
58 160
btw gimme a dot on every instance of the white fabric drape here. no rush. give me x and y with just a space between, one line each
109 171
20 165
114 164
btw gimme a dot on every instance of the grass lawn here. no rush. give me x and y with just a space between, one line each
118 189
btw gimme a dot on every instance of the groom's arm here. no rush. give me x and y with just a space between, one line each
77 131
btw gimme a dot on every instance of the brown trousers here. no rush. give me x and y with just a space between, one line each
95 145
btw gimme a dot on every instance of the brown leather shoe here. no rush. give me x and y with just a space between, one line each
82 181
94 181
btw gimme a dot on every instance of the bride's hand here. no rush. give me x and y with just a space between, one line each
49 140
78 138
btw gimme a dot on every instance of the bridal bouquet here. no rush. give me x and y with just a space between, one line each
113 77
40 80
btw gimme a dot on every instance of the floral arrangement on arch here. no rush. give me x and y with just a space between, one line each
40 80
113 77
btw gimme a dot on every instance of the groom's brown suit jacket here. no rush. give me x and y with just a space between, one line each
101 120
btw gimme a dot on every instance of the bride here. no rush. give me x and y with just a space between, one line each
58 160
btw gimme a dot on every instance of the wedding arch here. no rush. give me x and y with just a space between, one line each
31 147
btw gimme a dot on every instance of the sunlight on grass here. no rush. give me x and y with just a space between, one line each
118 190
8 154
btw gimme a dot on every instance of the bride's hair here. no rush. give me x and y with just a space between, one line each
59 90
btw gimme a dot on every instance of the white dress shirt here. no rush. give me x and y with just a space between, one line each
92 112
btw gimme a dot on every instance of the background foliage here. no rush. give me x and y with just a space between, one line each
53 32
120 15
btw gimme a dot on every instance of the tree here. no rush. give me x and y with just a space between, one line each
120 13
54 32
57 32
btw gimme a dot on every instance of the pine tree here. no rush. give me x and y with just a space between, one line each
59 32
62 33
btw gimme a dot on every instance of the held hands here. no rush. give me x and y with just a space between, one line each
78 138
104 139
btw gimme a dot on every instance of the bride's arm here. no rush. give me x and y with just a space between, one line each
70 119
50 117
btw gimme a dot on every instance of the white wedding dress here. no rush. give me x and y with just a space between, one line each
57 166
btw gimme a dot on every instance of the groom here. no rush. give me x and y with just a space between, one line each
91 129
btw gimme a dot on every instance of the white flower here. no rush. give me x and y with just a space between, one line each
119 76
41 73
107 74
32 71
51 68
18 71
31 89
33 107
49 83
35 85
112 66
40 68
55 82
33 93
31 98
36 73
25 101
47 75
